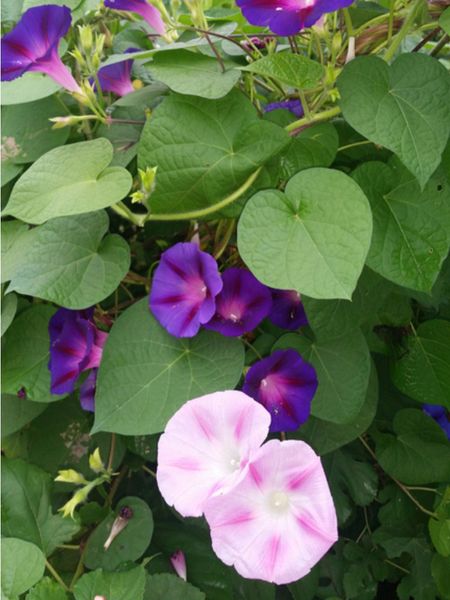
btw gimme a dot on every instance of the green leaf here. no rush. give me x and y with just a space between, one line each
418 584
29 127
419 453
440 569
439 528
325 436
403 107
187 72
27 351
146 374
69 180
313 238
9 308
12 232
69 261
315 146
444 20
292 69
343 369
129 545
28 88
127 585
165 586
423 372
46 589
213 146
411 229
27 512
305 588
23 564
17 412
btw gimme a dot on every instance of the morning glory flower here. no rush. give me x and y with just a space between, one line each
178 562
75 346
241 305
279 519
184 289
287 310
205 446
293 106
33 45
116 78
285 385
288 17
441 415
87 391
148 12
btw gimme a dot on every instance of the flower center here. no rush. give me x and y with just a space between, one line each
278 501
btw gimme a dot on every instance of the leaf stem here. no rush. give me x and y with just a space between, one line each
322 116
56 575
404 30
112 450
149 471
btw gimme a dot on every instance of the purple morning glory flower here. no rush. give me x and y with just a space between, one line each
284 384
287 310
293 106
87 391
33 45
288 17
241 305
184 289
75 346
148 12
440 414
116 78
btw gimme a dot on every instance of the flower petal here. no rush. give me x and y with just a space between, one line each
148 12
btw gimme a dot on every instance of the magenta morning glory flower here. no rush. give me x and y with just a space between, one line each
116 78
288 17
75 346
440 414
33 45
285 385
148 12
206 445
278 520
241 305
293 106
287 310
184 289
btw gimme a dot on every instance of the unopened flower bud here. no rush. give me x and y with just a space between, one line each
86 37
95 462
69 507
120 522
178 562
71 476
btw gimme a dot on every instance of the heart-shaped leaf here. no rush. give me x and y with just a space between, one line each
292 69
23 564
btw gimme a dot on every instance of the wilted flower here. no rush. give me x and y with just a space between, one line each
288 17
116 78
287 310
184 289
178 562
284 384
278 520
241 305
33 45
119 524
440 414
148 12
293 106
205 446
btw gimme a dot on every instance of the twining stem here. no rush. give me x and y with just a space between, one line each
404 30
322 116
354 145
56 575
149 471
112 450
68 546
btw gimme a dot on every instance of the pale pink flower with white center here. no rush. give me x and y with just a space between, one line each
178 562
278 520
206 446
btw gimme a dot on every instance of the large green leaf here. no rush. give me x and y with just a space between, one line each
411 228
47 589
70 180
187 72
9 309
17 412
29 126
313 238
165 586
28 88
205 149
26 355
343 370
315 146
419 452
423 372
23 565
403 107
69 261
440 569
126 585
146 374
292 69
12 232
27 512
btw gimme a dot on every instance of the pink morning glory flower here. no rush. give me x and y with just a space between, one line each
284 384
33 45
288 17
278 520
287 310
184 289
148 12
241 305
205 447
178 562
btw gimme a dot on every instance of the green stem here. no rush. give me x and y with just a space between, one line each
149 471
305 106
56 575
348 22
122 209
391 20
354 145
323 116
404 30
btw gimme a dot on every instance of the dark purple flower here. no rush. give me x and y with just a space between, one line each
293 106
184 289
75 346
33 45
116 78
287 310
87 391
288 17
148 12
241 305
285 385
440 414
